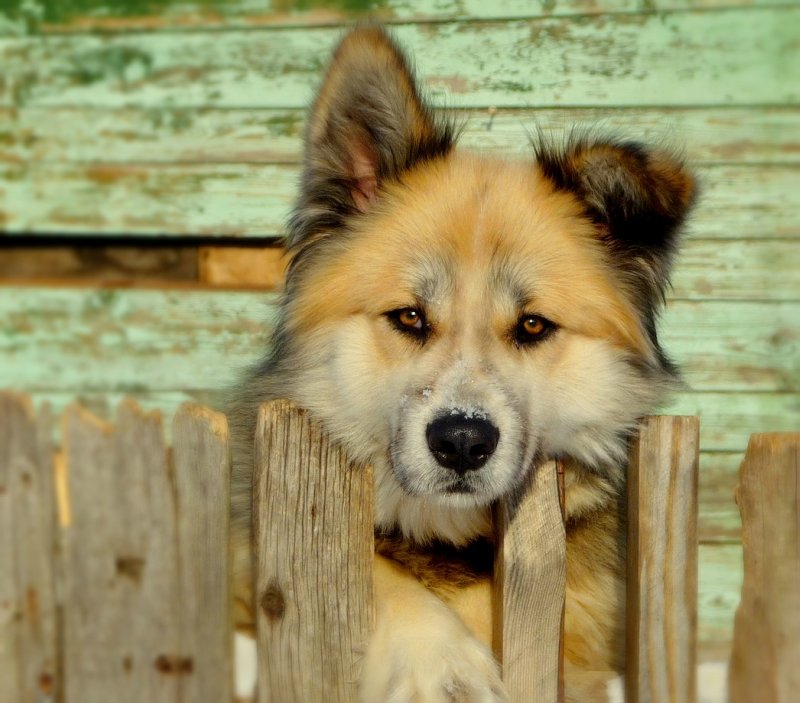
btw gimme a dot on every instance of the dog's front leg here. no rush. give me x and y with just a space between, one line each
421 651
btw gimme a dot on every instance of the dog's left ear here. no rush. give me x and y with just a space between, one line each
637 197
367 125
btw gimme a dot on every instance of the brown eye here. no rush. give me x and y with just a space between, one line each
409 321
532 328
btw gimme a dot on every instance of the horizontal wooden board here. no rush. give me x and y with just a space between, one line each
168 135
736 270
121 264
246 200
747 57
56 16
77 341
719 586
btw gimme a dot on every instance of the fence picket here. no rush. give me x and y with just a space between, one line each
28 641
202 478
662 562
766 635
313 595
530 576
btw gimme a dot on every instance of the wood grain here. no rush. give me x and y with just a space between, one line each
29 663
766 641
314 550
202 135
119 561
662 562
254 200
90 16
261 268
529 582
88 340
118 264
201 461
555 61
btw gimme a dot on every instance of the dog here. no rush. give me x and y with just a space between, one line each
455 319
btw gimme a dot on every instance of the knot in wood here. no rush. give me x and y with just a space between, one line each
273 603
173 664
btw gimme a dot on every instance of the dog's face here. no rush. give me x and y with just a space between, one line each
452 317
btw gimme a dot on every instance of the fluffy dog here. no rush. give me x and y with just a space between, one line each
454 319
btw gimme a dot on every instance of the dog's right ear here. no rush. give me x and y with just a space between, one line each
367 125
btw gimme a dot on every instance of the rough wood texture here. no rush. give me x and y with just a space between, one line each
243 267
662 562
253 200
314 544
119 561
530 575
55 16
120 264
631 61
29 670
203 135
766 641
201 461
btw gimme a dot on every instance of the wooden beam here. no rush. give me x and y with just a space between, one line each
662 562
765 665
314 549
529 582
260 268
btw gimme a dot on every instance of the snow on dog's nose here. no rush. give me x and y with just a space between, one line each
461 442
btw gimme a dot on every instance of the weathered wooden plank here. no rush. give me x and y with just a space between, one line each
55 16
636 59
766 642
259 268
314 550
122 265
254 200
29 663
81 340
719 589
121 638
201 461
662 562
165 134
529 580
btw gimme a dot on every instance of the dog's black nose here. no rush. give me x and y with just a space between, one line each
462 443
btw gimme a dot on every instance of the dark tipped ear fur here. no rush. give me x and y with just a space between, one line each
638 198
367 125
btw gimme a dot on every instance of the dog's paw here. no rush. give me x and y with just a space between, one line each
429 659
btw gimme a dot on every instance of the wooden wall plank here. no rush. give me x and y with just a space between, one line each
633 60
123 264
54 16
662 562
314 551
528 599
79 340
119 562
29 658
201 460
254 200
766 642
163 134
243 267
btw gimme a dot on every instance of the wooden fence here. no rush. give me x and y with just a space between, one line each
114 578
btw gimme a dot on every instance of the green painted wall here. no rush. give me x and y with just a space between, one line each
180 118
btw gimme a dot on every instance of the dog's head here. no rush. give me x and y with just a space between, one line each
455 316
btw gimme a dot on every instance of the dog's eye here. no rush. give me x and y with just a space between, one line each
532 328
409 321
